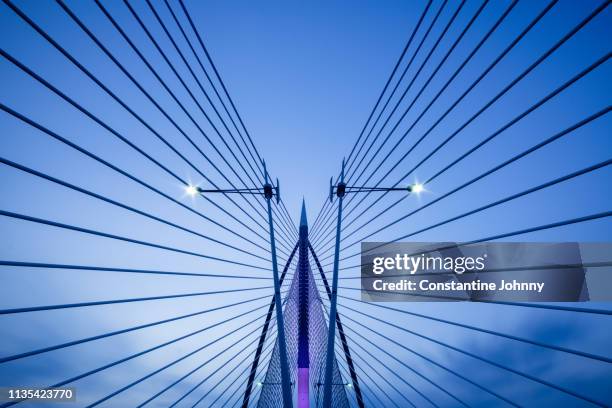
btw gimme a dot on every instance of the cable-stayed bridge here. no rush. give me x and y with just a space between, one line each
138 285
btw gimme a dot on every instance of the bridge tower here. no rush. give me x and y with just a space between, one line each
306 328
303 360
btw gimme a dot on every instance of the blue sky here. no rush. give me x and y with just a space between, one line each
304 77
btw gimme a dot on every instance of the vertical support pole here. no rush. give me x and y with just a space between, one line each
329 358
282 344
262 339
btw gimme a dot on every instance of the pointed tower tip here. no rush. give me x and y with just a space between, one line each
303 219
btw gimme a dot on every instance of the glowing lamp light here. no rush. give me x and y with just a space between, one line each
349 385
259 383
191 190
417 188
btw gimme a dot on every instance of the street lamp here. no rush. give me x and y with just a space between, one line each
340 190
192 191
268 190
416 188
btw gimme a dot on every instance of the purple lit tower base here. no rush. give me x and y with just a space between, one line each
303 388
